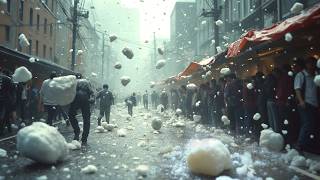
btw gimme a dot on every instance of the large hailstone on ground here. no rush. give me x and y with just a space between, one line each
156 124
128 53
23 41
22 74
271 140
208 157
62 90
42 143
160 63
125 80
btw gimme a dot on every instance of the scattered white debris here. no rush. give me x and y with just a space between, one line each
121 132
219 23
118 65
250 86
156 123
112 37
42 143
225 120
288 37
125 80
296 8
208 157
128 53
142 170
256 116
3 153
288 157
108 127
225 178
191 86
264 126
100 129
271 140
33 60
90 169
178 111
22 74
290 73
225 71
160 63
317 80
43 177
66 169
23 41
196 118
80 52
62 90
298 161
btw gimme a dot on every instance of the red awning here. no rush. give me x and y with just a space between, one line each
194 66
276 31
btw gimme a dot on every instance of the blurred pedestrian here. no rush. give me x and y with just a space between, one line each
106 100
145 99
130 102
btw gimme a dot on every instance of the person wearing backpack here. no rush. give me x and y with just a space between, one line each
82 101
106 100
307 94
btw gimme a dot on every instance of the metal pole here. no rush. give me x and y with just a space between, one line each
102 58
74 33
215 27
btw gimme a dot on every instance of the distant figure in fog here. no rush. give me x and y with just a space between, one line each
130 102
154 99
145 100
81 101
106 100
164 99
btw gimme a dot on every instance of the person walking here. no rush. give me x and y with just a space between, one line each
145 100
82 101
154 99
106 100
50 107
130 102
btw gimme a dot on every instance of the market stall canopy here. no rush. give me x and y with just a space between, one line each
194 66
277 31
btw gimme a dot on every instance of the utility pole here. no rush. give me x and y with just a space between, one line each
102 58
74 32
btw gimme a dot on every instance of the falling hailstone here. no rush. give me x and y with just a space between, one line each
3 153
21 74
62 90
178 111
152 84
94 74
256 116
128 53
290 73
113 38
118 65
160 63
250 86
296 8
288 37
125 80
225 71
225 120
208 157
33 60
191 86
23 41
317 80
219 23
160 51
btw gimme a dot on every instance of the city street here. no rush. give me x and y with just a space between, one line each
163 152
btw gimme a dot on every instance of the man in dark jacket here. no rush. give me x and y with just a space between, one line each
130 102
7 90
106 100
81 101
145 99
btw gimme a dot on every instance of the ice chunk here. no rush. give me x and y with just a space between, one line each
108 127
125 80
288 37
80 52
225 71
128 53
74 145
156 124
225 178
296 8
271 140
142 170
121 132
32 59
290 73
62 90
152 84
225 120
43 177
290 155
191 86
256 116
318 63
178 111
42 143
112 37
160 63
196 118
23 41
94 74
90 169
264 126
160 51
21 74
100 129
250 86
219 23
208 157
298 161
317 80
3 153
118 65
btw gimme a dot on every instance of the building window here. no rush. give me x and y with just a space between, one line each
7 29
21 7
51 29
30 47
50 53
31 17
45 26
9 6
44 51
38 22
37 48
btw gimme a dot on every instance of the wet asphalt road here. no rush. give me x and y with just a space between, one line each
117 157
